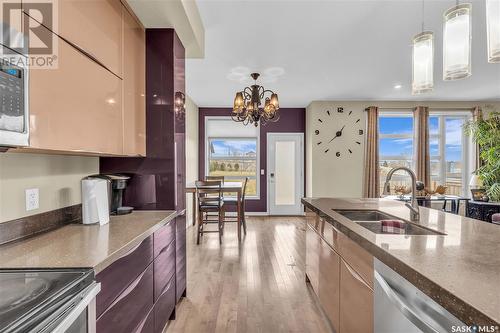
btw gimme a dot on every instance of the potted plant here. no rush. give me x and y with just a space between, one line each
486 133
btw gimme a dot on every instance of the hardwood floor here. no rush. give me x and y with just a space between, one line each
258 286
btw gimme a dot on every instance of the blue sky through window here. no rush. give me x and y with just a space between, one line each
224 147
404 146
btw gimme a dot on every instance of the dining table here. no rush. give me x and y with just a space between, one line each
234 188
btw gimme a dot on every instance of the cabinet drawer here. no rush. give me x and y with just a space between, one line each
356 302
94 26
313 244
331 235
127 312
329 283
76 107
357 257
165 306
163 237
116 277
164 268
180 266
148 323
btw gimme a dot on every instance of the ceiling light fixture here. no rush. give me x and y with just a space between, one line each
398 86
423 60
457 42
246 107
493 29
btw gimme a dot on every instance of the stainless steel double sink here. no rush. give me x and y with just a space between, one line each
371 220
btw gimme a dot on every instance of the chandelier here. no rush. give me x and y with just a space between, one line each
247 105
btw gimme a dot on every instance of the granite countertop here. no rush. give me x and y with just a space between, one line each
78 245
459 270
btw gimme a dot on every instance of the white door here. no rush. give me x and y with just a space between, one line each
285 164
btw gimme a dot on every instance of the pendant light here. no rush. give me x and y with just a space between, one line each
457 42
493 29
423 60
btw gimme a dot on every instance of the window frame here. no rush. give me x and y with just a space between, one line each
257 153
441 136
399 113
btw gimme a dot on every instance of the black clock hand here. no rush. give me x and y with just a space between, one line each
339 133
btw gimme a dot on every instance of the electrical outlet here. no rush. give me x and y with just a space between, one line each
32 199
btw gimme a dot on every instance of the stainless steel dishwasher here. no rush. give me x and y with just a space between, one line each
402 307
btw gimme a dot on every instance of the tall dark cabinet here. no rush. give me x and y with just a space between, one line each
158 180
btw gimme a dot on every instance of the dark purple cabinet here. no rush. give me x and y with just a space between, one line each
164 268
163 237
148 324
127 312
158 180
116 277
180 274
165 306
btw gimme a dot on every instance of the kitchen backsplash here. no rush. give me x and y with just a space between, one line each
57 178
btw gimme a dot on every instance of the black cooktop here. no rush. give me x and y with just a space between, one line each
27 297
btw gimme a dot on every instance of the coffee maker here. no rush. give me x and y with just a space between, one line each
117 185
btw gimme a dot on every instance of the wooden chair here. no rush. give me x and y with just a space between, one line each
233 201
215 178
210 200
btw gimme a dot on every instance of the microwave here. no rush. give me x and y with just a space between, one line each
14 114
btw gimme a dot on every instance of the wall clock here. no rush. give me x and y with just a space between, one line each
331 132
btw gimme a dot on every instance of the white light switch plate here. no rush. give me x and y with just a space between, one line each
32 199
262 172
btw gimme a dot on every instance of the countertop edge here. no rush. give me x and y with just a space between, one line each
453 304
99 267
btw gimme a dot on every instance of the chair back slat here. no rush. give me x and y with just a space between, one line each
215 178
209 192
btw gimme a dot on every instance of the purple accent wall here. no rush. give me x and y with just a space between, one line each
292 120
158 179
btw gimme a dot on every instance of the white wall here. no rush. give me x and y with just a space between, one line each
331 176
56 177
191 152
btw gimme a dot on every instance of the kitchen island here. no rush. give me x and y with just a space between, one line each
458 267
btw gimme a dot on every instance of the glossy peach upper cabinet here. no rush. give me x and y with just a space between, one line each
356 302
76 107
134 86
94 26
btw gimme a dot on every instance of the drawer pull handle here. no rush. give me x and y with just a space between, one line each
166 247
129 252
126 292
356 275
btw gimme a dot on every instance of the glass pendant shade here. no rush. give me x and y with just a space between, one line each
423 63
493 29
239 103
457 43
275 101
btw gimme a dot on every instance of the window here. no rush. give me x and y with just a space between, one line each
232 151
449 151
235 159
395 146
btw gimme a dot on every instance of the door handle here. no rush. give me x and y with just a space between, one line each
271 175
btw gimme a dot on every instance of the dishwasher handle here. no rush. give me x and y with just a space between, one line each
405 309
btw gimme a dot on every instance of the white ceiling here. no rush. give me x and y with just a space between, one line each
328 50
